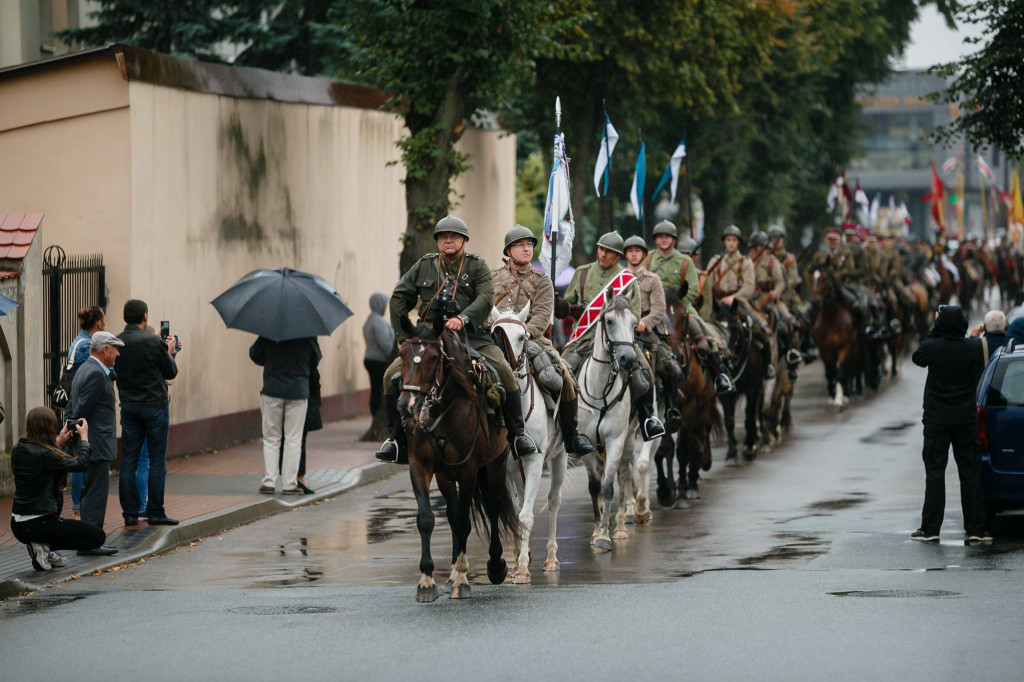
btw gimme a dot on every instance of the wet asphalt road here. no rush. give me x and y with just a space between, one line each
796 566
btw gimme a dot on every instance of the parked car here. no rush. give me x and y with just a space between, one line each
1001 430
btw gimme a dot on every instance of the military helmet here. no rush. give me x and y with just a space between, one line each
635 241
451 224
687 244
516 234
666 227
758 238
732 231
613 242
776 231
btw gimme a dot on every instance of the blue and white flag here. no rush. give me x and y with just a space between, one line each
672 171
604 155
636 194
559 226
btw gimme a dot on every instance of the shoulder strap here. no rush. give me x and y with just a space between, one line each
682 270
647 263
70 364
984 347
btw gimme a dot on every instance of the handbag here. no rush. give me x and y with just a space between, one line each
62 392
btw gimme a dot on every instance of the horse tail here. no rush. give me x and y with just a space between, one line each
717 422
502 506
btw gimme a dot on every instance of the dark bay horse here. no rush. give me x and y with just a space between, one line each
749 369
443 405
834 335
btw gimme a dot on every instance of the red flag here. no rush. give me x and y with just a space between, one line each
593 310
936 198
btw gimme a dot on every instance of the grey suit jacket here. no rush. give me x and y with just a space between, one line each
92 399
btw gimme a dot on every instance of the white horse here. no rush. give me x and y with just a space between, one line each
637 484
543 430
604 410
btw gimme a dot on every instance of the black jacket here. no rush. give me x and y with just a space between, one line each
143 369
314 420
286 366
955 365
92 398
37 474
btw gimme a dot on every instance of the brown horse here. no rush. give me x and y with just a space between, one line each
834 334
922 309
701 418
947 285
443 405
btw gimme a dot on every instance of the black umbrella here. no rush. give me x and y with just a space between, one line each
282 304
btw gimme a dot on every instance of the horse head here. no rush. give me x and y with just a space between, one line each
616 332
510 334
422 354
822 284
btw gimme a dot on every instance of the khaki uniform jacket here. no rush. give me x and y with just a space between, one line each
863 272
652 298
474 294
839 260
732 274
674 269
892 266
768 275
596 280
513 290
791 273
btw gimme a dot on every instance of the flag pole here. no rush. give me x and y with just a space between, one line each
608 154
640 197
554 221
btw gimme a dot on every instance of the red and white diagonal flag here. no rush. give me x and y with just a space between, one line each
986 169
593 309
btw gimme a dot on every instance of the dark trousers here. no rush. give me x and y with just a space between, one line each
58 533
138 425
302 456
376 369
938 436
95 488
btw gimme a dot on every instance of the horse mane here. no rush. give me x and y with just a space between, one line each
617 304
456 350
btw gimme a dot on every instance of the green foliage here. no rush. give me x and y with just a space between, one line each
531 192
988 85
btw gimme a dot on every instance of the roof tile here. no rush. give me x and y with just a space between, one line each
31 222
8 274
11 221
17 252
21 237
7 238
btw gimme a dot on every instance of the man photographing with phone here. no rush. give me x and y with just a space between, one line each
143 369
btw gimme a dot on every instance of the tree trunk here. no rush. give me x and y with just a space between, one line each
583 158
426 197
378 430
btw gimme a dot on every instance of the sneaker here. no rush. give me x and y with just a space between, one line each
983 539
57 560
293 491
921 536
39 554
267 489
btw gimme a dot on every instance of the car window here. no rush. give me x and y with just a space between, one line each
1007 388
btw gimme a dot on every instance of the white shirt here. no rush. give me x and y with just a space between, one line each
106 370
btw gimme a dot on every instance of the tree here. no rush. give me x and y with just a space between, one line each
987 85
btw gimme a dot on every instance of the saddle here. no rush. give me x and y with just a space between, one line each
487 376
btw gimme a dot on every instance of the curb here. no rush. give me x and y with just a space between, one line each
169 537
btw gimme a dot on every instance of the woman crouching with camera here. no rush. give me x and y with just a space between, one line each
41 468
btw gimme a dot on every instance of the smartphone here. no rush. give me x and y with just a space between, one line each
72 425
165 329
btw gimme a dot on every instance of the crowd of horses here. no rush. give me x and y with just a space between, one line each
455 435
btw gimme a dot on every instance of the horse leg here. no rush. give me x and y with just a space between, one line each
495 498
594 488
533 466
642 514
613 455
750 424
625 479
729 413
559 464
426 590
663 465
460 581
450 491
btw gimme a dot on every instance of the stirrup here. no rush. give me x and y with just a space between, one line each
793 357
723 384
388 452
895 326
810 355
523 445
581 446
652 428
673 419
769 372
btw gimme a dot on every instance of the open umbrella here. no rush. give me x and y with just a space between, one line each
282 304
7 305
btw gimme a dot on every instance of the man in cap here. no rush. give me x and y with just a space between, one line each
92 399
516 284
587 282
791 292
676 267
837 258
732 279
457 287
769 285
653 308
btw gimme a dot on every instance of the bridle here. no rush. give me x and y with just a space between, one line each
610 345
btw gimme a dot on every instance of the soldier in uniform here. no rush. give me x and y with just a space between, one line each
517 283
791 293
674 268
587 282
732 279
769 285
464 280
651 328
837 258
891 270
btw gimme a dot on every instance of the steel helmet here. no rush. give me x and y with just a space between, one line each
635 241
517 233
776 231
758 238
451 224
666 227
733 231
687 244
613 242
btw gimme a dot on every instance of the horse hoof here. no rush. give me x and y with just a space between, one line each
551 566
425 595
462 591
448 586
665 499
731 462
497 571
682 504
629 518
522 578
692 494
603 544
620 534
749 454
642 519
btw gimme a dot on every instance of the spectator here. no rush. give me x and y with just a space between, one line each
286 369
955 365
41 468
992 333
380 341
90 320
145 366
314 422
1016 330
92 399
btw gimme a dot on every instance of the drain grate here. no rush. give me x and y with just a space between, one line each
895 594
286 610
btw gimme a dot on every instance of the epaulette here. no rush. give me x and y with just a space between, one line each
428 256
473 256
584 267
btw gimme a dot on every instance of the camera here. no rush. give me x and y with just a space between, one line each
448 307
72 425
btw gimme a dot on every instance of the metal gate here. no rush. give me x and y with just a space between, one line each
71 283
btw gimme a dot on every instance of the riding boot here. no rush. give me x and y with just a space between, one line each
394 449
808 349
650 426
766 359
673 418
723 384
575 444
521 443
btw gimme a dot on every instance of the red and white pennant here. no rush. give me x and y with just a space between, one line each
593 309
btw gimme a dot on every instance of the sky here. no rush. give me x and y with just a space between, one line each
932 42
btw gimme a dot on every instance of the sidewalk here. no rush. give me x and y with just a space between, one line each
207 493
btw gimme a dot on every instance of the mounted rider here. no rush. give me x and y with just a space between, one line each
676 268
651 329
457 287
799 310
836 257
865 279
732 280
516 284
892 270
587 282
769 285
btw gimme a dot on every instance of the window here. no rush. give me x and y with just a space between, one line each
1007 389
